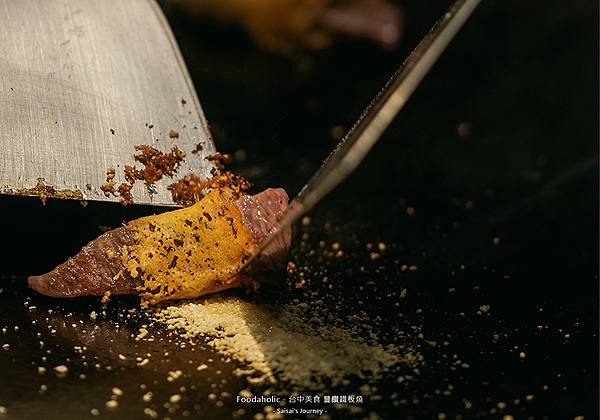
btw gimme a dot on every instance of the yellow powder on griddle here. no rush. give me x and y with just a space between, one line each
276 342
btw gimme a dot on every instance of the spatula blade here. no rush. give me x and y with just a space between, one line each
82 83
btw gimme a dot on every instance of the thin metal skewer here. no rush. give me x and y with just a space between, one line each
352 149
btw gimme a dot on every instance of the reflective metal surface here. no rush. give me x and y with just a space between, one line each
81 84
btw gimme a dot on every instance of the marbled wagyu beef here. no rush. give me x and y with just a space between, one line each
181 254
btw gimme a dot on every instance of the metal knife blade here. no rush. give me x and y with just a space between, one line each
375 119
83 82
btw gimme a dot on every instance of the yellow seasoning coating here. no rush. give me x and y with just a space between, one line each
190 252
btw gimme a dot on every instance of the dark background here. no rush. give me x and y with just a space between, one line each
524 77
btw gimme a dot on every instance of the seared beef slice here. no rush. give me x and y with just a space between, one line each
180 254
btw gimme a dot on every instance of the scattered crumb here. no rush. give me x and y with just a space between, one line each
112 404
61 369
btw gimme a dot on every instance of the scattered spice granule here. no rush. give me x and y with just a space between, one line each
61 369
106 297
410 211
112 404
173 134
150 413
246 394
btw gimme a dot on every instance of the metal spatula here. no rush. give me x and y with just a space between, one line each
375 119
83 82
